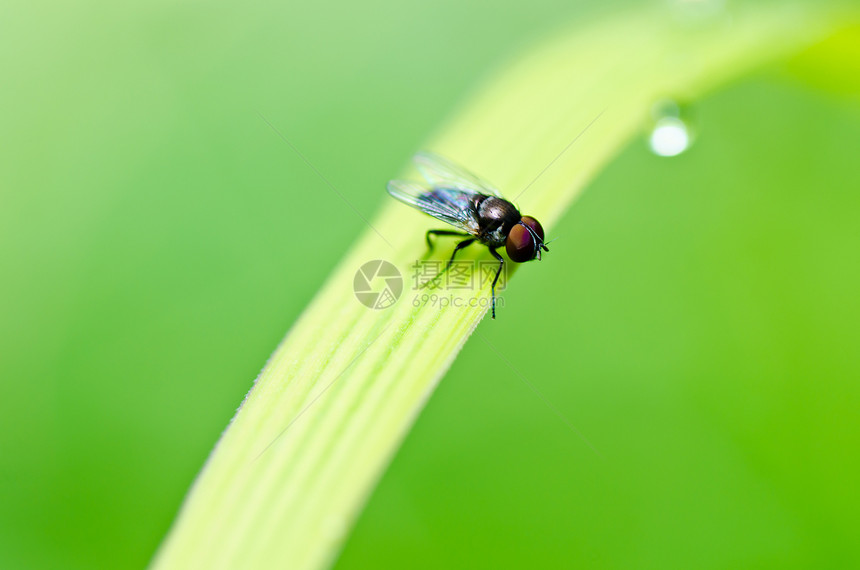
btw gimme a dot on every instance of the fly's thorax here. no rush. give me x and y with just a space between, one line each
496 217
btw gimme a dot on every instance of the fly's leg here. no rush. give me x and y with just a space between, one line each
498 272
431 245
461 245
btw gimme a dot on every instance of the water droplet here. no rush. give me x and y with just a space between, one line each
670 133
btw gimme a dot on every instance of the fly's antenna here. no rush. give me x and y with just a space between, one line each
537 239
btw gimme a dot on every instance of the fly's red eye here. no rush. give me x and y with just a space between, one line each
520 244
534 225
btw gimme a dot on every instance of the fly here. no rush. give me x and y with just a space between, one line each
474 207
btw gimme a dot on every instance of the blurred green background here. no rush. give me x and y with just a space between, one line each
698 317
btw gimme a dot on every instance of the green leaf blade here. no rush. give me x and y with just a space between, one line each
330 408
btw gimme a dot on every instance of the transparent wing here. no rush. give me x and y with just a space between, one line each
442 173
455 207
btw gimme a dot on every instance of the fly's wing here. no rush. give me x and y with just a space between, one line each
454 207
442 173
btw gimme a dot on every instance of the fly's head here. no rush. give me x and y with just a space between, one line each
525 240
